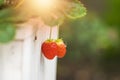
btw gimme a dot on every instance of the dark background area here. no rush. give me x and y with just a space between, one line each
93 43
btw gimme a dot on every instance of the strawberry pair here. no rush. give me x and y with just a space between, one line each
51 48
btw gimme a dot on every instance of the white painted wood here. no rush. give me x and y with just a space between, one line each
50 65
25 31
28 47
16 56
47 69
1 62
28 50
11 61
22 59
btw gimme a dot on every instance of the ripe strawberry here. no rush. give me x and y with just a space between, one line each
49 49
61 50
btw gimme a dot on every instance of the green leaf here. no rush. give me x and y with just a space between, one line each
5 13
7 32
77 10
1 2
12 15
70 10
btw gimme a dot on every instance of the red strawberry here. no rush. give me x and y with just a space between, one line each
61 50
49 49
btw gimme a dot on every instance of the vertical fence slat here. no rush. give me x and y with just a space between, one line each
50 66
47 67
1 63
22 59
11 61
28 50
37 68
42 35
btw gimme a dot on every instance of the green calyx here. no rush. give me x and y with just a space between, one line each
50 40
59 41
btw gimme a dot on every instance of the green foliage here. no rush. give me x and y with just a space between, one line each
72 10
1 2
8 18
86 36
112 12
7 32
7 29
96 38
10 15
110 60
6 13
77 11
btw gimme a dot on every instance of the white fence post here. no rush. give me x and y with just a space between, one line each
48 67
22 58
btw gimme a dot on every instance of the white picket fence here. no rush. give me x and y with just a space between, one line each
22 59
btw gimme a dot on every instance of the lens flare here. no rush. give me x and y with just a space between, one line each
43 5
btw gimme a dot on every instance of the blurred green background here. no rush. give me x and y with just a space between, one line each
93 43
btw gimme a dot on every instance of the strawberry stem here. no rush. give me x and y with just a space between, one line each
19 4
50 36
58 31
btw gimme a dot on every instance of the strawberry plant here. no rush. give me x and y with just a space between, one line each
13 12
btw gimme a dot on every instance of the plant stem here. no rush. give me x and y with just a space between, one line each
50 36
19 4
58 31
